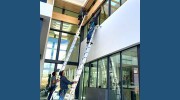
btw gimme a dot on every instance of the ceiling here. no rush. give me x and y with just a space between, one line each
73 5
77 2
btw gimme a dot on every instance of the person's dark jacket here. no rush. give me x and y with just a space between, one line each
64 82
82 14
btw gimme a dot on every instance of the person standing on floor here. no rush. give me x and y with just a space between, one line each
64 82
52 85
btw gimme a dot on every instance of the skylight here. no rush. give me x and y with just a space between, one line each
77 2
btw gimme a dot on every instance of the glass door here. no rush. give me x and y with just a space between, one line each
130 74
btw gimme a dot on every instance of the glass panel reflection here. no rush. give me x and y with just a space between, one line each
47 71
66 41
130 74
102 73
115 4
52 45
104 12
55 24
71 13
93 74
86 79
57 9
69 27
115 76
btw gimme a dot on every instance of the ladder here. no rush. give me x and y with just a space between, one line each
72 45
70 96
71 48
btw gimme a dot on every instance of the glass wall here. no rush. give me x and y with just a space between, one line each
70 13
52 45
85 80
122 71
104 12
123 1
115 4
115 75
130 74
69 27
102 73
55 24
66 41
93 74
57 9
47 71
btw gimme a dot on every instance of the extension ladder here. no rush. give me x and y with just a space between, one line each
70 96
71 48
72 45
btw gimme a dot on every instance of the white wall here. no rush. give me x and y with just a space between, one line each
119 31
45 10
45 13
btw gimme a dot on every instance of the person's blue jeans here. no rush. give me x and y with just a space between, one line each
62 94
51 92
89 34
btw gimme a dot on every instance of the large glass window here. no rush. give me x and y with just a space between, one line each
52 45
69 27
123 1
130 72
55 24
86 80
57 9
93 74
104 12
66 41
102 73
67 12
115 4
47 71
114 71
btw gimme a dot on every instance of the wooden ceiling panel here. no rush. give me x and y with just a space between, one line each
68 6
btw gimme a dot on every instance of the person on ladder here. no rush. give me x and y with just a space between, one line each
64 82
92 25
81 15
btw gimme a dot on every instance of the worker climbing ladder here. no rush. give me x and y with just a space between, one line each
70 96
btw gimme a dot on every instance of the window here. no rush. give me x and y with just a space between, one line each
47 71
66 41
55 24
130 72
57 9
86 79
123 1
104 12
115 4
102 73
71 13
52 45
114 71
69 27
93 74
